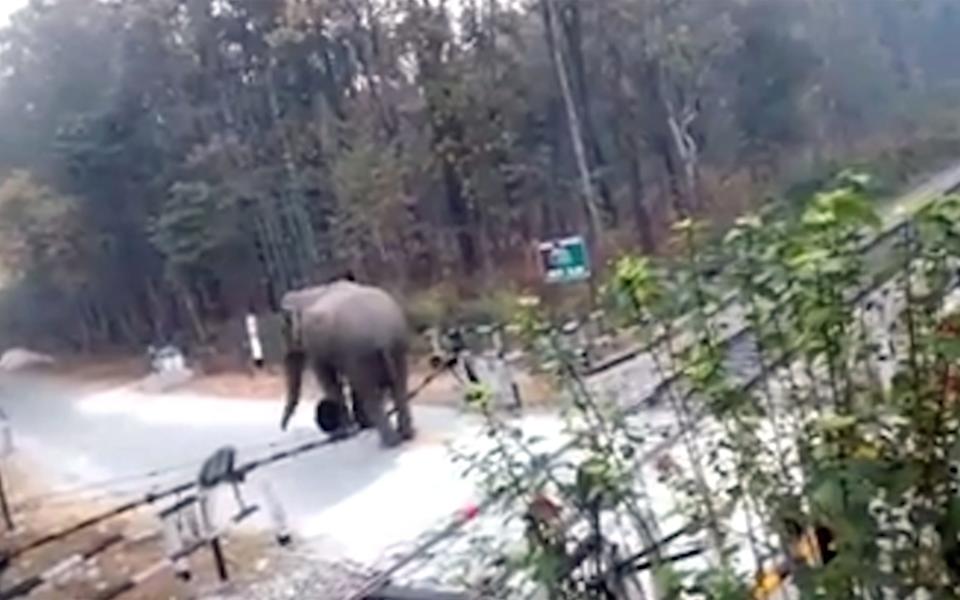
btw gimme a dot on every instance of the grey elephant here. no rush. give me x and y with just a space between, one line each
353 333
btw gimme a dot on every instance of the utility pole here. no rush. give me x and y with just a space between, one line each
6 448
573 121
4 506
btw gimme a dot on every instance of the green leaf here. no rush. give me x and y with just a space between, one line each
948 347
835 422
844 206
827 497
809 258
952 518
855 179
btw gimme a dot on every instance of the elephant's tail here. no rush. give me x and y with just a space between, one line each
389 369
394 367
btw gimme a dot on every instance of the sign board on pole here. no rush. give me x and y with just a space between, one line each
564 260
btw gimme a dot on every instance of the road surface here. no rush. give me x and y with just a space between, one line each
333 494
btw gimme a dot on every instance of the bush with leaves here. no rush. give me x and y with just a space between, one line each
848 426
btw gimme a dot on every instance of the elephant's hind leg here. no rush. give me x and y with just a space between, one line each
368 393
377 413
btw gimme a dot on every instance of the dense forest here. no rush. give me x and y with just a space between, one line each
166 165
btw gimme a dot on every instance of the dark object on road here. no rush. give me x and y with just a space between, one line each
330 416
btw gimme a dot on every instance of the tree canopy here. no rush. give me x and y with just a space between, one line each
168 163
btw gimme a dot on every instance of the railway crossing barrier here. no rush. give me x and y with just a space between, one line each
186 526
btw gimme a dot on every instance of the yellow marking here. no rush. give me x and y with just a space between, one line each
767 584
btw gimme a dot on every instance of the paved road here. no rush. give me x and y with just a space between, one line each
335 493
352 499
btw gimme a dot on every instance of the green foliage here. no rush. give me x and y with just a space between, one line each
39 230
890 168
443 305
195 224
431 307
634 284
217 154
830 438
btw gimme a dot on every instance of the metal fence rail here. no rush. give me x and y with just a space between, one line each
152 497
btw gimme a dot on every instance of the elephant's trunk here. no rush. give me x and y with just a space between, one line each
293 364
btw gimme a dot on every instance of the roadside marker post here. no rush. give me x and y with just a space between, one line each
253 338
168 561
276 512
178 526
216 471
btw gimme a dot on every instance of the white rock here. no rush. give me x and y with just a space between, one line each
165 380
16 359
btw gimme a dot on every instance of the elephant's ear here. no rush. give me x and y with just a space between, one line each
291 301
297 300
292 333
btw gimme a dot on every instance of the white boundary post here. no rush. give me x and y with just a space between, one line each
277 514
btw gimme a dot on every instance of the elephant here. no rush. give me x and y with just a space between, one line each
353 333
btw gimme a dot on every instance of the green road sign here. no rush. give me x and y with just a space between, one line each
564 260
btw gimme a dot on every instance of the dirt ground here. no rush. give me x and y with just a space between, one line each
245 553
99 372
267 384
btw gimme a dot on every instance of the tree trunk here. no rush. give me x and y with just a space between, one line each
298 228
86 323
674 142
448 145
572 26
629 148
196 322
688 151
460 215
159 317
589 197
641 214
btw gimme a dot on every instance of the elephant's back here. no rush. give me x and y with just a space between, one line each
354 317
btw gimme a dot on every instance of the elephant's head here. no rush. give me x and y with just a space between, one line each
293 304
